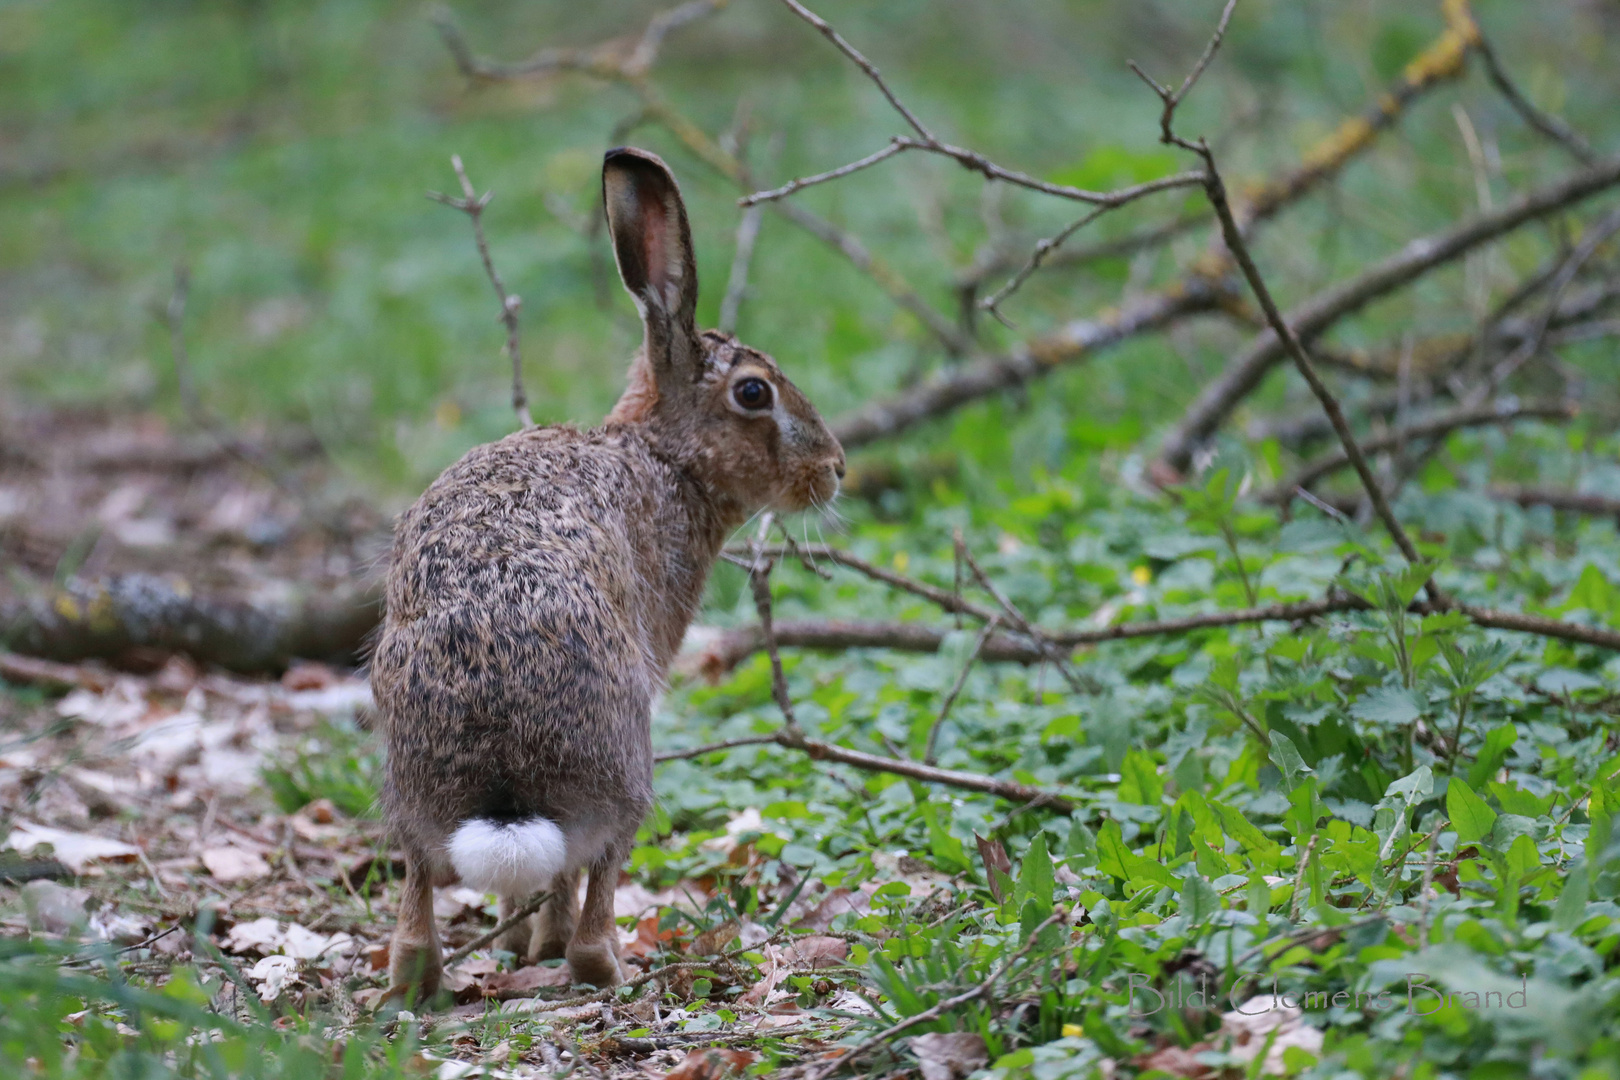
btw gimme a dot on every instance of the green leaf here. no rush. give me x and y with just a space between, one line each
1570 910
1469 815
1497 744
1389 706
1522 858
1414 787
1139 780
1243 830
1036 878
1199 900
1285 755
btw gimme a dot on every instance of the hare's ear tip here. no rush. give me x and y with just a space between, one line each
631 155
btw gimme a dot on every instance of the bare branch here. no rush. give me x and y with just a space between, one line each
1315 315
530 906
956 689
737 283
472 204
1437 426
894 147
1573 142
1043 248
947 601
795 739
1578 502
861 62
1027 361
711 748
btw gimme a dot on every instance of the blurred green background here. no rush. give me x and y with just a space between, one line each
281 149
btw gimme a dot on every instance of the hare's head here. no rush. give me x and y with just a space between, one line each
720 408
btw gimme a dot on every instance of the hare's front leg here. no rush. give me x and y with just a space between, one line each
593 954
414 963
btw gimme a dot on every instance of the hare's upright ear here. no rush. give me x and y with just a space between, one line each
653 245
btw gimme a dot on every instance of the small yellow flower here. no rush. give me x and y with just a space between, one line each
447 415
1141 575
1073 1031
901 561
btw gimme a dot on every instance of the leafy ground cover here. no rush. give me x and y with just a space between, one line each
1376 839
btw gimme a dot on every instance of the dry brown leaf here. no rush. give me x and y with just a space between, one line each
816 952
949 1055
74 850
533 977
1251 1024
228 863
712 1063
838 902
1179 1061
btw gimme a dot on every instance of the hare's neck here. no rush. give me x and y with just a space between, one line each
684 532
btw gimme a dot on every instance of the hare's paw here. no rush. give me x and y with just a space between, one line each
414 972
595 962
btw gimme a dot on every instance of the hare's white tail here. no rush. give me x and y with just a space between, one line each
508 858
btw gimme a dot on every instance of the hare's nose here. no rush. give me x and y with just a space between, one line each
838 467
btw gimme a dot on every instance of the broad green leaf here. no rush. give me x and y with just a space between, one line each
1469 815
1112 854
1387 706
1413 788
1570 910
1491 755
1242 829
1522 858
1285 755
1035 876
1199 900
1139 780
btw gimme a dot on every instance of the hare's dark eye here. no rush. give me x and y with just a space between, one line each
752 394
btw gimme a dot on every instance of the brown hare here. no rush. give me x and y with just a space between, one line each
539 589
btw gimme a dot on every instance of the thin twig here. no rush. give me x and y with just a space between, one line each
956 688
927 1016
472 204
1547 124
759 579
737 284
861 62
699 751
1048 649
530 906
1439 425
803 182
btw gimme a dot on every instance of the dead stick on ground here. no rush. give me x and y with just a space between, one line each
472 204
928 1016
530 906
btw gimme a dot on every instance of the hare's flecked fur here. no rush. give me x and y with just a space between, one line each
540 588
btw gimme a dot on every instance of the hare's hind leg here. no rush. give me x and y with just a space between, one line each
414 965
517 939
554 927
593 954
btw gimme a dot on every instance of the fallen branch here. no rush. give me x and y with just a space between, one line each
49 675
1437 426
113 618
530 906
1573 501
1314 316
